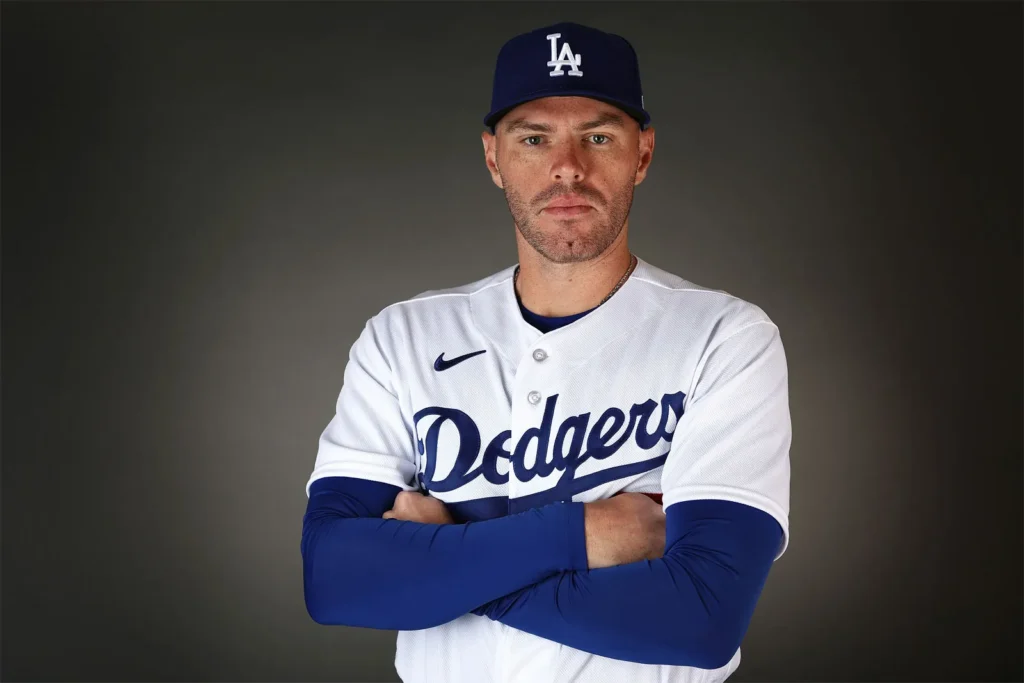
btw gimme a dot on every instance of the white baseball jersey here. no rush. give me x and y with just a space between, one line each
667 387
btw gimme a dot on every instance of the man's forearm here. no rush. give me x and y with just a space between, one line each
690 607
361 570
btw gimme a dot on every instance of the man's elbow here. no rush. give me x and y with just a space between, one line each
319 609
325 604
328 615
318 606
714 656
719 644
318 615
333 599
329 606
704 643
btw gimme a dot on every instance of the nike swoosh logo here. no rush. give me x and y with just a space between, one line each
441 364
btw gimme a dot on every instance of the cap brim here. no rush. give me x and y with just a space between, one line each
641 116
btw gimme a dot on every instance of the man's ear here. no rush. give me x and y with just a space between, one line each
490 142
646 144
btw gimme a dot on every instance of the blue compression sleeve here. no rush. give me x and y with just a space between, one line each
690 607
361 570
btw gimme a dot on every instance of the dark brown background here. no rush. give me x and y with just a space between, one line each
203 202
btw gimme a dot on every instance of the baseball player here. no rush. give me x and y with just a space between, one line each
574 469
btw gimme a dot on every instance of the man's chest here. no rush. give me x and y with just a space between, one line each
496 435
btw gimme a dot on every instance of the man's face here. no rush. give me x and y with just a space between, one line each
568 166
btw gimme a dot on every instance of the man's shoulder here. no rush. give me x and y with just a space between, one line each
434 303
685 302
460 292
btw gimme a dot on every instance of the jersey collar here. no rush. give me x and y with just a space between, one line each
495 312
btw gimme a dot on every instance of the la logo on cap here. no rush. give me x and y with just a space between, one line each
563 59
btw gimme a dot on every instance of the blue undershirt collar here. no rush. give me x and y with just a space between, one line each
546 323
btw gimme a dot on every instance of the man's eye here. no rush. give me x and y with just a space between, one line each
533 137
599 139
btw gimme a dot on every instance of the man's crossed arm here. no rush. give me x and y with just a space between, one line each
619 577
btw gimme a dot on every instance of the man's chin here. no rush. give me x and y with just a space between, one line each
565 241
565 253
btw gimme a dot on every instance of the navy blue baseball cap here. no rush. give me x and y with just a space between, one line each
567 59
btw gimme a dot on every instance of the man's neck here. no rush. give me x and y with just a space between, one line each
561 289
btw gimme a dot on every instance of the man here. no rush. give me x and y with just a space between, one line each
491 484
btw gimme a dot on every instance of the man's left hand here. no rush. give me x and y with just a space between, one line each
413 506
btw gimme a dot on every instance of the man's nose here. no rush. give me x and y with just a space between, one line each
568 165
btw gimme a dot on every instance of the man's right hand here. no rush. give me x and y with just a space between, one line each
625 528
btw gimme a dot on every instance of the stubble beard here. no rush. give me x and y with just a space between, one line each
563 243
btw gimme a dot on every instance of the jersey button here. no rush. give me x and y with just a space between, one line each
533 397
539 355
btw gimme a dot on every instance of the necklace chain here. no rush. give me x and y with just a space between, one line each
629 271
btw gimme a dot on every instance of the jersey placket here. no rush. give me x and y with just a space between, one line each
534 381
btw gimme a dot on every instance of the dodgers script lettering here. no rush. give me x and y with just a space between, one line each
575 440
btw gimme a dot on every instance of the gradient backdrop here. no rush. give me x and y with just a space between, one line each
204 202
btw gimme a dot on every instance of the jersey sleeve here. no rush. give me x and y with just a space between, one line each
367 438
732 441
